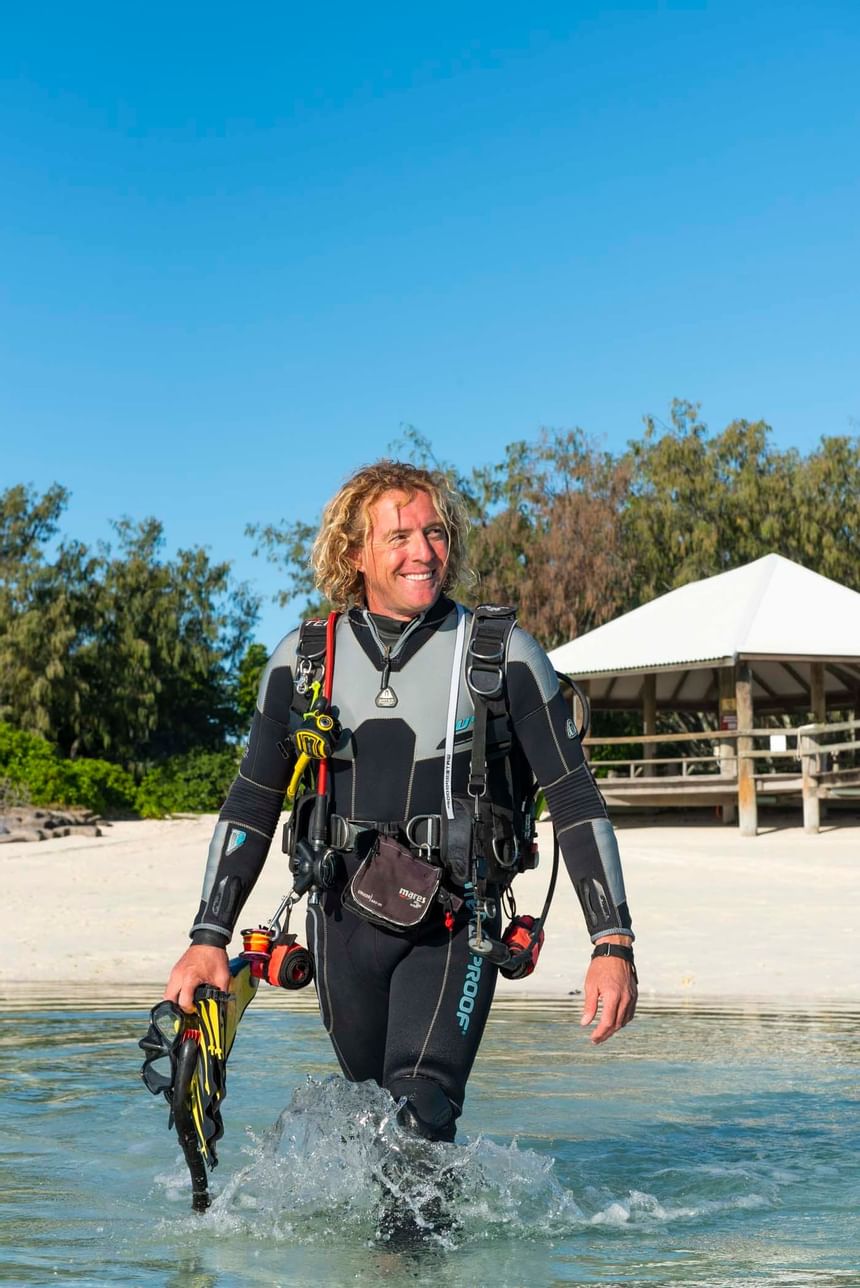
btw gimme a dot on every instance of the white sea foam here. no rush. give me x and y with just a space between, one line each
336 1166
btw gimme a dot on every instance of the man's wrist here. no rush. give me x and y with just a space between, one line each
625 941
209 939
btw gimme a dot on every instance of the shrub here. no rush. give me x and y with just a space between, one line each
33 765
195 783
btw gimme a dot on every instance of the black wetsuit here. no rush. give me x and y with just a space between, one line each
408 1010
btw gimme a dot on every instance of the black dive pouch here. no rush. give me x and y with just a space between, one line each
392 887
485 840
456 840
496 843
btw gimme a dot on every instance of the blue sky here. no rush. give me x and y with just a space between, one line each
242 247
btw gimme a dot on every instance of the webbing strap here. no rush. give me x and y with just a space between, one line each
310 652
453 699
312 638
485 677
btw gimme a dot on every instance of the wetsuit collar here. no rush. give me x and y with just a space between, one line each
416 633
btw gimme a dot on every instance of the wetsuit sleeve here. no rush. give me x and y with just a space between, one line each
542 722
249 816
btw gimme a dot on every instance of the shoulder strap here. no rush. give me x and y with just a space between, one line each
310 652
486 657
312 638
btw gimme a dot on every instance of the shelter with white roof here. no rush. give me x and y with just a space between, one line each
770 637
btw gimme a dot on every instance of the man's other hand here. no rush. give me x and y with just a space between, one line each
611 985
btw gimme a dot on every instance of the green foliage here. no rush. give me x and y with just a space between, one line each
248 678
119 653
196 782
701 505
192 783
30 762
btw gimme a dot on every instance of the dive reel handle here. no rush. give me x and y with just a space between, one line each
494 950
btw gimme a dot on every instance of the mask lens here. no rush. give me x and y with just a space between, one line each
168 1020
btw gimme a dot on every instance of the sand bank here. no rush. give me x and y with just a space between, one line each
716 915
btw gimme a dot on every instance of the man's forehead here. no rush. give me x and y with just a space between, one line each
387 511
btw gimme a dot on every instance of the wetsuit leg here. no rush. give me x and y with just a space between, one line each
440 999
354 962
407 1012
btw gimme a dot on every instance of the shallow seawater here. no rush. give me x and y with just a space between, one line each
700 1147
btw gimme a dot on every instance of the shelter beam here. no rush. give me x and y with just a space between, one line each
728 711
649 714
817 699
747 804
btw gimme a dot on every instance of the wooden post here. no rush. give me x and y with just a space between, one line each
808 767
818 707
728 721
817 700
747 804
649 715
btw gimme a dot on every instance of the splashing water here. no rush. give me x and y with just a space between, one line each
336 1165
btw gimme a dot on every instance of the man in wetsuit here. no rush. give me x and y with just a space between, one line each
391 543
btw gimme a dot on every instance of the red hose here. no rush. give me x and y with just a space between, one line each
328 682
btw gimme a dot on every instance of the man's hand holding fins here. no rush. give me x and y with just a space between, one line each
199 964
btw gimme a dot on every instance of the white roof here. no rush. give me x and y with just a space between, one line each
769 608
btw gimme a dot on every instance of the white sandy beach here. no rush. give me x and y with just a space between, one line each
717 916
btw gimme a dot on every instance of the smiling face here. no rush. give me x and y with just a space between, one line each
405 555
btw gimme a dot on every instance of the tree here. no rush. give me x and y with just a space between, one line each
574 536
43 607
288 545
118 653
248 678
548 534
824 506
702 504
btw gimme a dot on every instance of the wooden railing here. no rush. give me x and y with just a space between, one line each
734 758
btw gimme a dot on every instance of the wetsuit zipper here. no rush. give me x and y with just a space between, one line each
388 651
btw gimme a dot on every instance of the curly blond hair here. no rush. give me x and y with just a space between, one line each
346 526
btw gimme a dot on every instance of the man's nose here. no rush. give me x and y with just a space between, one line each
420 548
